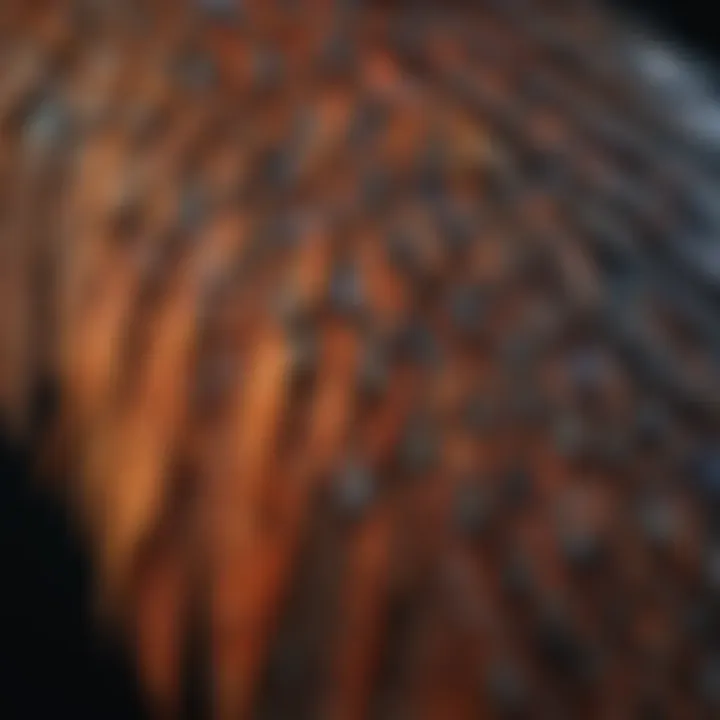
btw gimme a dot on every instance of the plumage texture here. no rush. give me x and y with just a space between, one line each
386 370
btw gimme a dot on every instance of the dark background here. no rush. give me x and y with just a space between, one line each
51 663
50 660
690 20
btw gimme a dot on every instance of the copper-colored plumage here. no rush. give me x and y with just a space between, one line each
358 315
